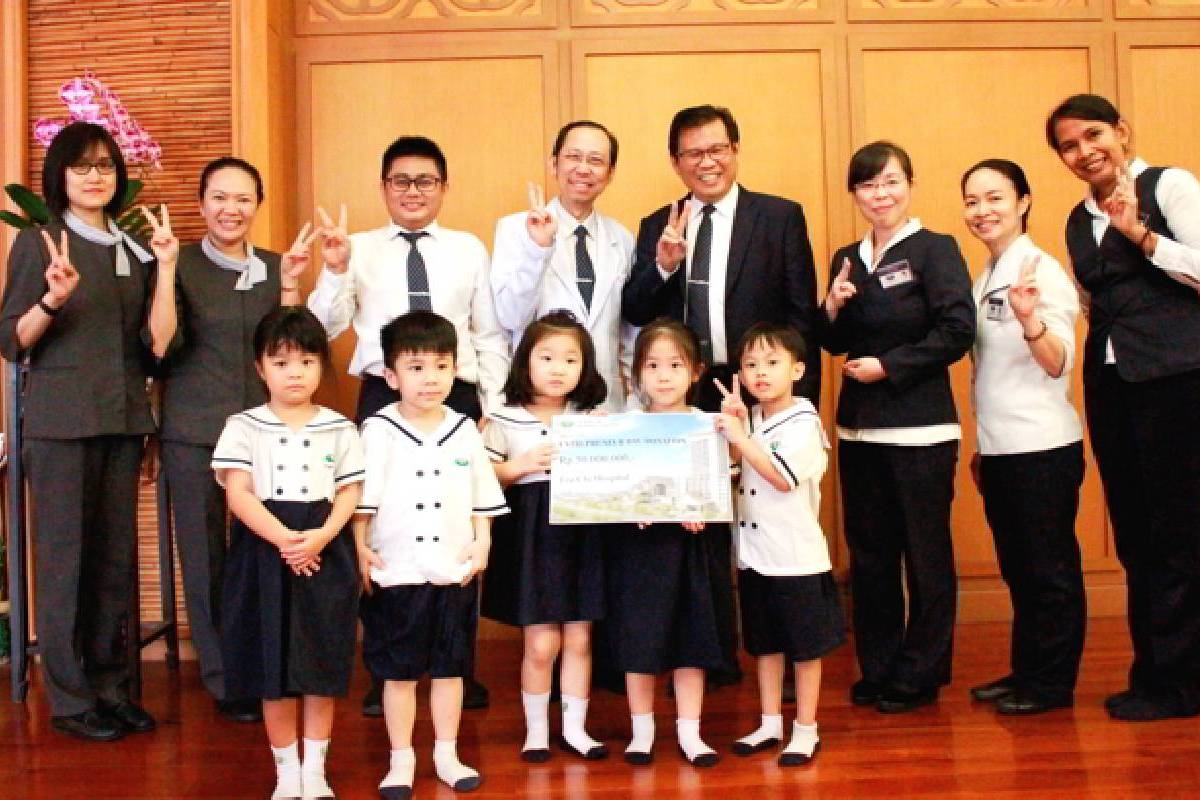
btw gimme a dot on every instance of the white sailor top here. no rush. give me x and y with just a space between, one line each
422 490
302 465
514 430
779 533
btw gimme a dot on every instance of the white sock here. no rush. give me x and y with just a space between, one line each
287 771
574 714
804 739
688 731
403 765
449 769
312 769
537 720
771 727
643 733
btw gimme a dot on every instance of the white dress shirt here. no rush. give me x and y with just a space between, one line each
513 431
529 281
1178 196
374 290
1018 407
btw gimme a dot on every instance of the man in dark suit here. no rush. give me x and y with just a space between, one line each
720 260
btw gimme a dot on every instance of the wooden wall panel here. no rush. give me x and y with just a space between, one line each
1158 9
1160 118
699 12
978 10
363 16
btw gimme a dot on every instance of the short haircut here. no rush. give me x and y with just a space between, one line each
1080 106
683 337
586 123
776 334
591 389
69 147
1015 175
291 328
414 146
417 332
871 159
698 116
216 165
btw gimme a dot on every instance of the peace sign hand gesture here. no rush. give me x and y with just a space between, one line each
672 244
540 222
335 241
841 291
295 260
163 242
1122 206
1023 296
61 276
731 399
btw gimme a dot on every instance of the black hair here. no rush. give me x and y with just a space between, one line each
214 166
1015 175
421 146
699 116
1080 106
417 332
69 146
683 337
586 123
776 334
591 389
291 328
871 159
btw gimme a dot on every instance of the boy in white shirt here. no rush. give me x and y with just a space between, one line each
789 602
422 531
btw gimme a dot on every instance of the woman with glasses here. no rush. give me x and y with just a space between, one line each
202 320
73 310
899 306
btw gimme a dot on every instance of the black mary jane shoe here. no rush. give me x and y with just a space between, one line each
865 693
639 758
468 784
536 755
702 760
131 717
597 753
91 726
896 700
395 792
996 690
1022 703
741 748
798 759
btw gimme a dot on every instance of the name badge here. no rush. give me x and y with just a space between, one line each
995 308
895 274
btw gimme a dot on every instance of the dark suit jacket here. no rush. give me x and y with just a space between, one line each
769 276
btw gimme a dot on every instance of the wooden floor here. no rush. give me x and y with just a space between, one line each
956 749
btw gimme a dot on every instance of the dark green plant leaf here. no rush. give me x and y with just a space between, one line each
33 206
19 223
132 190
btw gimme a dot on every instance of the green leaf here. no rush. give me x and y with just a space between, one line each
132 216
20 223
33 206
132 190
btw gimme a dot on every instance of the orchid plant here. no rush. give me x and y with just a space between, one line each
88 99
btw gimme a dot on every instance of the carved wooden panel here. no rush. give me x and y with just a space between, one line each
1179 9
675 12
369 16
974 9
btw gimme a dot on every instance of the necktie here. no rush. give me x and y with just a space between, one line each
697 285
418 277
585 273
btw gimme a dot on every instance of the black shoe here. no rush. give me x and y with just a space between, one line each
536 755
240 710
741 748
1146 708
395 792
90 725
1021 702
1114 700
865 693
475 694
638 758
895 700
467 784
131 717
372 704
702 760
991 692
798 759
597 753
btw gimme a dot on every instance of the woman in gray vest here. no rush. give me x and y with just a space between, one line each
1134 243
73 310
201 326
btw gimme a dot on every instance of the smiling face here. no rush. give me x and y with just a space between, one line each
583 169
884 199
422 379
228 206
768 372
992 209
291 375
89 193
555 364
666 376
1095 151
708 178
411 208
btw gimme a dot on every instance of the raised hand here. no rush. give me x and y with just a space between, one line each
295 261
730 427
163 242
540 222
536 459
61 275
864 370
335 241
841 291
731 400
672 244
1122 207
1024 295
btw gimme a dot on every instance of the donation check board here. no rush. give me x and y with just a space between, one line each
639 468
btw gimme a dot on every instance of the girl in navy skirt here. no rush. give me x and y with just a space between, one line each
548 579
660 614
292 472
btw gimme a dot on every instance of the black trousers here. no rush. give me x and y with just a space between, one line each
1147 447
374 394
201 536
84 495
1031 500
897 512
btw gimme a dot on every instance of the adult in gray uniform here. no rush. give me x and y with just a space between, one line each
201 327
73 309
